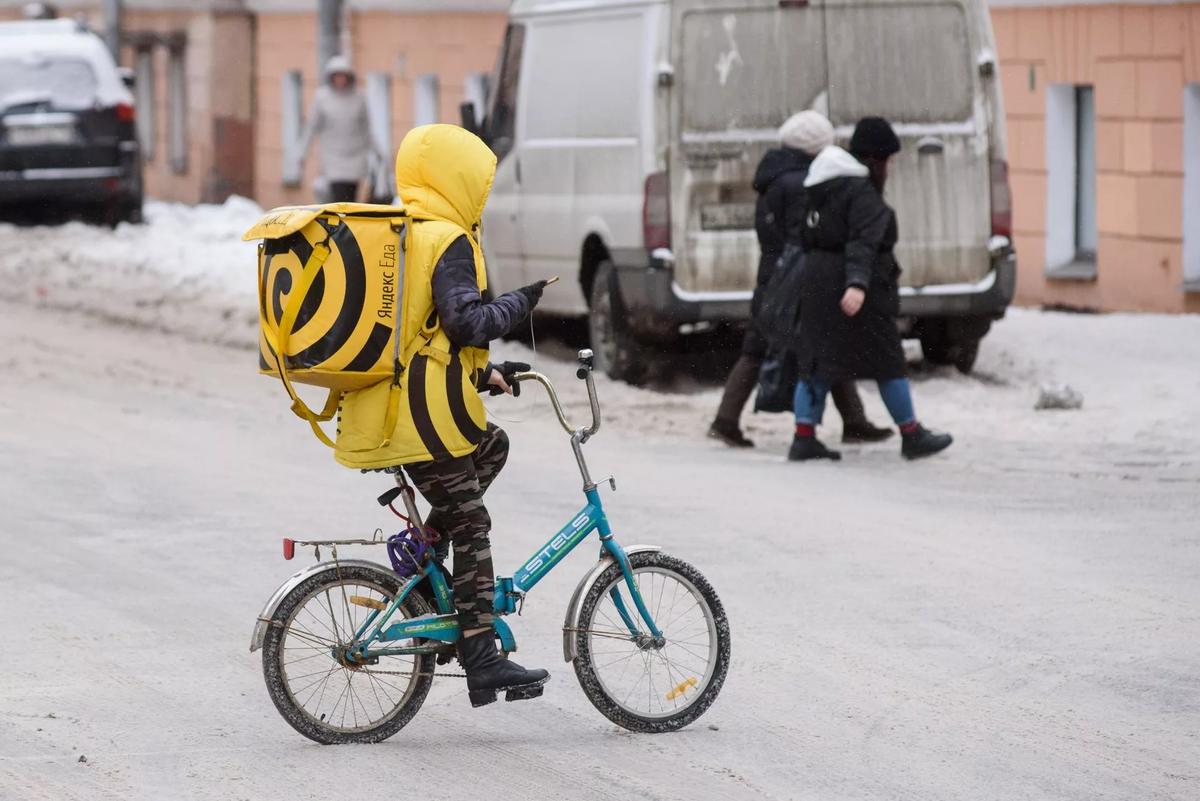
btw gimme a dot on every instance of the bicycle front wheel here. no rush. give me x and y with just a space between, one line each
324 695
637 682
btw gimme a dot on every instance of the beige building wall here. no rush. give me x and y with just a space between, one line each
1138 58
401 44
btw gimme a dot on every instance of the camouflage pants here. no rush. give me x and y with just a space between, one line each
454 488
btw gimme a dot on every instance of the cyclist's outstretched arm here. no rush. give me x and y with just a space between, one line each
466 319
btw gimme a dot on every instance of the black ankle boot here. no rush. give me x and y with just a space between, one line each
923 442
807 448
487 672
730 434
864 432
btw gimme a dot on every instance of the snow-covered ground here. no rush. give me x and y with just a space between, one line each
1019 618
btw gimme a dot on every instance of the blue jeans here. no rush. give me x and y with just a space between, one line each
809 402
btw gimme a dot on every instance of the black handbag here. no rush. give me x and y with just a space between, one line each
777 381
779 300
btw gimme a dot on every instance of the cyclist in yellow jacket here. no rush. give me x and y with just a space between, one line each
442 438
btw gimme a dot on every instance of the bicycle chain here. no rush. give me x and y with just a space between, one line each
411 673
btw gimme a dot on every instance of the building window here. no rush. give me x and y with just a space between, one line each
177 116
291 97
1191 187
1071 181
475 92
425 104
379 109
147 128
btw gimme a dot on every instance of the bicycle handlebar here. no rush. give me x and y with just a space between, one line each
584 372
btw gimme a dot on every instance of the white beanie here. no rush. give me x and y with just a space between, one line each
808 131
339 64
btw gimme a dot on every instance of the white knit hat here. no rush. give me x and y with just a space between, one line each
808 131
339 64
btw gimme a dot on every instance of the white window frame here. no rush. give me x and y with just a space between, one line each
147 116
1191 187
291 97
1063 256
177 110
476 90
379 109
426 99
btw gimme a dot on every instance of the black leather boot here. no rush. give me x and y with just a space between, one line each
805 449
923 442
488 672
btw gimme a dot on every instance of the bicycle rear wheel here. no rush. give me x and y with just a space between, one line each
328 699
640 684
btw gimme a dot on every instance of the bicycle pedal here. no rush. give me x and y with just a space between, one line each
524 693
481 697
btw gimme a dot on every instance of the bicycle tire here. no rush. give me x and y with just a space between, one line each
388 584
585 669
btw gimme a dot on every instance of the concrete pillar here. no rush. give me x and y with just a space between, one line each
112 27
329 23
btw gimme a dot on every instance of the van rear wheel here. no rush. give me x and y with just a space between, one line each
615 347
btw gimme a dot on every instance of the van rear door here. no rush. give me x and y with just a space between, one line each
741 70
913 62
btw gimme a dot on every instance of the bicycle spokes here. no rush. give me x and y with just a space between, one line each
647 675
326 681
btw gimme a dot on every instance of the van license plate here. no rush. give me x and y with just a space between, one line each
41 135
727 216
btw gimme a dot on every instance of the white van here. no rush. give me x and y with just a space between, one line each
628 132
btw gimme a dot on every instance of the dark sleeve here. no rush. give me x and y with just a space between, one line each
466 319
793 215
867 219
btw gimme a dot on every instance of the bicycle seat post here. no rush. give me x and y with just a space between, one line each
409 494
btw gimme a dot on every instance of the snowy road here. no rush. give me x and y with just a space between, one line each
1019 619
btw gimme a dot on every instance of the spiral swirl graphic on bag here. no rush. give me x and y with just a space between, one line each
324 345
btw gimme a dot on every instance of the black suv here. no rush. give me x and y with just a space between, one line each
67 135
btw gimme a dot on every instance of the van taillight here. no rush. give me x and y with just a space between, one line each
124 113
656 212
1001 200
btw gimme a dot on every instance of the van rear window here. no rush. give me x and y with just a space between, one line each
748 70
906 62
64 83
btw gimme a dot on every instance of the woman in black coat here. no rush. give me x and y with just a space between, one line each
779 221
850 293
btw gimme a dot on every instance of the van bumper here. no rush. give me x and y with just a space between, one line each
989 297
652 298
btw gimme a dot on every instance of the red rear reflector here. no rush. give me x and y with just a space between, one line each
124 113
1001 200
656 212
289 548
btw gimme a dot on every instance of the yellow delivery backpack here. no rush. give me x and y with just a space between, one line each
330 280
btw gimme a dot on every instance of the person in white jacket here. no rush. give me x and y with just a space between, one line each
339 117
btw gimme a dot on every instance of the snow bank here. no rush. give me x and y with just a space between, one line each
186 270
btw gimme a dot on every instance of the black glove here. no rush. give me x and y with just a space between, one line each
508 370
533 292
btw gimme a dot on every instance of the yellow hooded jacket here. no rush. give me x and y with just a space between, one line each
444 174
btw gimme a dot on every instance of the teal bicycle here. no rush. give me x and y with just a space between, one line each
350 647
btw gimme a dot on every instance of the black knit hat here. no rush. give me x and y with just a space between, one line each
874 138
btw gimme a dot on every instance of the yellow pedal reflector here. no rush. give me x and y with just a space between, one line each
681 689
370 603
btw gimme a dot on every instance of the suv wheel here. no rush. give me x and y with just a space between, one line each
615 347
